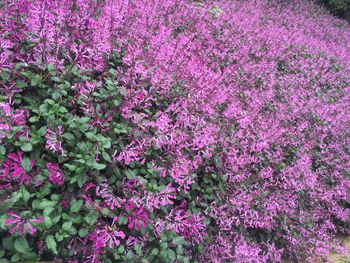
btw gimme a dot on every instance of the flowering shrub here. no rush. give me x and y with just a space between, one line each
173 131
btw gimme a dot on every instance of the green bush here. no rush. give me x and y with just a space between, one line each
339 7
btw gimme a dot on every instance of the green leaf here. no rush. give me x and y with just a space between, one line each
62 109
51 69
155 251
138 249
71 167
75 205
51 243
106 144
45 189
8 243
56 95
21 245
123 220
163 255
26 164
16 257
112 71
91 218
26 147
55 79
2 150
67 226
81 179
30 257
25 194
33 119
45 204
36 80
47 222
48 210
98 166
90 135
42 131
121 249
105 211
50 101
16 196
106 157
59 237
122 91
21 84
83 120
179 241
171 254
68 136
83 232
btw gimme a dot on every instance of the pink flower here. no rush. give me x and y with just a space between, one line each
65 204
242 107
109 236
55 174
10 118
109 199
54 140
4 129
21 225
6 108
102 237
163 198
20 117
12 173
138 217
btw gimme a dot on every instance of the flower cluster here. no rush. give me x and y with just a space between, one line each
173 131
12 172
55 174
53 140
21 225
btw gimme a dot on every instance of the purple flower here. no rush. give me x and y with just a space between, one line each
10 118
55 174
21 225
12 173
54 140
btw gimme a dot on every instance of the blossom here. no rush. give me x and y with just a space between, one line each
138 217
4 129
54 140
12 173
21 225
163 198
10 118
65 204
55 174
103 237
110 200
243 114
184 224
110 236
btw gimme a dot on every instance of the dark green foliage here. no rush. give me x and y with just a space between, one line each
339 7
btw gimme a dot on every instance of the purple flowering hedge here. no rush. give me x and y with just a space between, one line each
173 131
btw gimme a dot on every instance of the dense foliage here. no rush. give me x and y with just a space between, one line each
173 131
339 7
